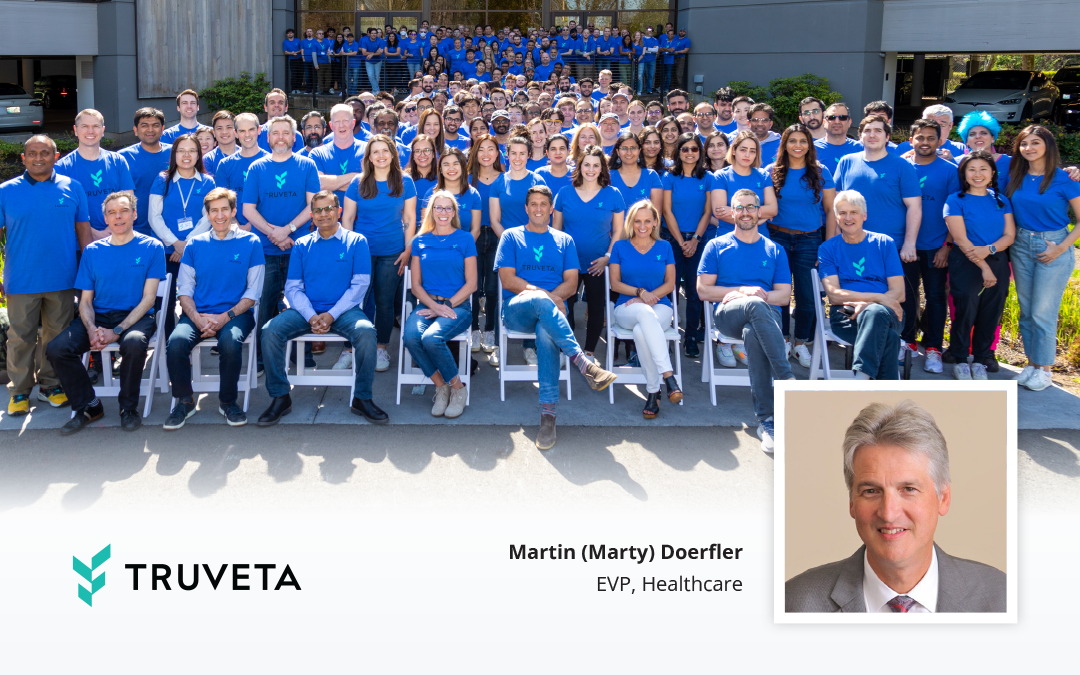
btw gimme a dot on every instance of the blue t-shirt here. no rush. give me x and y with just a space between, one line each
485 204
333 161
461 143
642 270
372 46
379 218
555 183
884 183
798 208
309 46
326 267
648 181
291 46
39 221
736 263
422 186
729 180
689 196
145 167
212 159
937 180
541 73
669 57
221 268
539 259
178 216
589 223
264 140
984 220
176 131
830 155
957 149
511 195
232 172
467 202
649 43
684 43
116 274
100 178
536 164
1048 211
442 260
278 190
770 148
864 267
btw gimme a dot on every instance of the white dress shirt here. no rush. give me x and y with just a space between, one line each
876 594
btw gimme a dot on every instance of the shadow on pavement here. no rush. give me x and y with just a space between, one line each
1052 449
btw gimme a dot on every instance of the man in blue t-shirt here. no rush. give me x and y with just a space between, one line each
118 277
836 144
101 172
747 279
862 275
538 269
233 170
648 62
276 104
340 160
43 215
146 159
187 104
220 280
371 53
761 122
329 275
947 149
295 72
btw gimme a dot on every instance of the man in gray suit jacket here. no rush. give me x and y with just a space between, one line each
896 465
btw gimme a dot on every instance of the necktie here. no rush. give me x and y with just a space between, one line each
901 603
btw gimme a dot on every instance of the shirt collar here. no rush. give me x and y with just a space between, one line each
234 229
50 179
876 593
339 235
176 176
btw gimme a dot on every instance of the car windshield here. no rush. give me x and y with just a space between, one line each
1068 75
997 79
8 89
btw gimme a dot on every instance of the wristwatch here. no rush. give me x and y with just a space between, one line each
993 249
232 315
697 237
292 228
118 330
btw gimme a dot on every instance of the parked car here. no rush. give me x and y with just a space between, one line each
56 91
1007 95
1067 80
18 109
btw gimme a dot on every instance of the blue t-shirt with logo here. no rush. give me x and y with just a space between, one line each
467 202
689 196
379 218
864 267
372 46
884 183
648 181
326 267
181 217
232 172
830 155
221 268
1047 211
309 46
589 223
442 260
538 259
423 186
937 180
669 57
117 274
511 195
731 181
145 167
264 140
100 178
736 263
798 208
38 218
291 46
278 191
957 149
642 270
555 183
984 219
212 159
334 161
649 43
176 131
485 204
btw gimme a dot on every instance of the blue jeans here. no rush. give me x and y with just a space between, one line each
802 252
531 312
230 339
426 340
646 75
373 68
686 279
1039 288
875 335
380 296
758 324
668 67
353 325
353 86
277 268
934 283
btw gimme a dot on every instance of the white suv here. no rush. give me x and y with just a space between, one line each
1007 95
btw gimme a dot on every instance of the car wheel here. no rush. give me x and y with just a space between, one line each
46 101
1026 115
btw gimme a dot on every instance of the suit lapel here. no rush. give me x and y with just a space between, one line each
847 593
950 583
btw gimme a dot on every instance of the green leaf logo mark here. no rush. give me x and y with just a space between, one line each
860 266
922 181
96 177
87 573
538 253
281 179
61 201
344 165
138 260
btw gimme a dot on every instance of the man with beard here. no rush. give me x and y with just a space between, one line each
500 124
812 115
836 143
314 126
725 110
678 102
761 119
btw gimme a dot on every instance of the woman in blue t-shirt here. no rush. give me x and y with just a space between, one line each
538 135
423 169
381 205
1042 255
629 175
743 172
652 150
642 271
443 271
176 209
981 224
557 174
452 179
591 211
485 167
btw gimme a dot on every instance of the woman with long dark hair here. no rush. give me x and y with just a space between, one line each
629 175
669 133
454 179
423 168
394 56
652 151
485 167
716 147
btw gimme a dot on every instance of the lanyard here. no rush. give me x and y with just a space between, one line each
183 199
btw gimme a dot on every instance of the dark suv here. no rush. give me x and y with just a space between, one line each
56 91
1067 113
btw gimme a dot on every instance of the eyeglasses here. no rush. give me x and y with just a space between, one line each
321 210
807 113
181 151
425 152
705 114
688 150
760 120
442 209
629 148
749 208
842 118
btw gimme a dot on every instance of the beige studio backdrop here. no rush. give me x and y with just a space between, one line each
818 528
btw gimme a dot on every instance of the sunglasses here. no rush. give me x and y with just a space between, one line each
705 114
688 150
842 118
760 120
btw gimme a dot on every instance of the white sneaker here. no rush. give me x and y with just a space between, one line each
530 356
765 433
489 341
802 353
787 349
740 354
933 361
978 371
477 340
961 371
724 356
903 350
1025 375
493 357
382 361
1040 380
344 362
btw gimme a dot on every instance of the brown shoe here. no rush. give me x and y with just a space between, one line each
318 347
598 378
545 438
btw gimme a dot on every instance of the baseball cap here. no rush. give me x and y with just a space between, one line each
499 113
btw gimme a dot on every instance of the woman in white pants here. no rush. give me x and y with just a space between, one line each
642 269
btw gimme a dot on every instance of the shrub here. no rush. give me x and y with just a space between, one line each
784 94
237 94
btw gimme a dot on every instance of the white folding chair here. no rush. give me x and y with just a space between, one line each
408 373
717 377
320 378
517 373
630 374
110 384
202 383
819 358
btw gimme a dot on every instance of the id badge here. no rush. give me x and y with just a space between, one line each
185 224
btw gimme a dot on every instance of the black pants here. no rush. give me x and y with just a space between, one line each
66 350
977 309
169 306
487 281
594 300
933 280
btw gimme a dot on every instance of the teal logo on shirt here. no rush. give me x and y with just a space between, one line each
61 201
341 256
764 263
236 257
860 266
922 181
96 177
600 205
280 178
138 260
882 175
344 165
538 253
659 256
245 175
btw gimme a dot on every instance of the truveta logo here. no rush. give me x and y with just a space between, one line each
245 175
659 256
764 263
61 201
236 256
344 165
281 179
87 573
860 266
138 260
341 256
96 177
922 181
882 175
538 253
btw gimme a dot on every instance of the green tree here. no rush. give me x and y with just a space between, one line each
237 94
784 94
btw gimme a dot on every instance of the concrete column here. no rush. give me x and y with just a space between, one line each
918 75
888 81
84 80
1029 62
27 74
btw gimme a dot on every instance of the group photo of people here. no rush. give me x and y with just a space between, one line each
477 186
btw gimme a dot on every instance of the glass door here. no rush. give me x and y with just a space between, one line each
601 21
